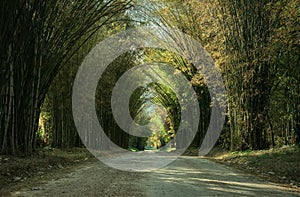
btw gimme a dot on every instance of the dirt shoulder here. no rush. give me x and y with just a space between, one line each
280 165
88 179
46 164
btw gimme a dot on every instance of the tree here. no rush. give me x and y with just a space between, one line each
38 38
254 44
248 28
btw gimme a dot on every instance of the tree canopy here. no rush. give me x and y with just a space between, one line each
254 44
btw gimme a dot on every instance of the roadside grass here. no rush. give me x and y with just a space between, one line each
278 165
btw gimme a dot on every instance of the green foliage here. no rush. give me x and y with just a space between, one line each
133 149
37 39
255 44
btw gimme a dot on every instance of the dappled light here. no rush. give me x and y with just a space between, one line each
149 98
199 177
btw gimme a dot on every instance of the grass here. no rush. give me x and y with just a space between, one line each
278 165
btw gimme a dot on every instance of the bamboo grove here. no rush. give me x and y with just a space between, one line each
37 38
255 45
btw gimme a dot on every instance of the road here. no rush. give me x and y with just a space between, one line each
187 176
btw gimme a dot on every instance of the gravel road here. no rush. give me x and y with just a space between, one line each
187 176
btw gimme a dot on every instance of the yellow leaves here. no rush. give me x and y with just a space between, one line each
166 9
198 80
177 71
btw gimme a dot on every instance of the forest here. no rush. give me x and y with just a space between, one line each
255 46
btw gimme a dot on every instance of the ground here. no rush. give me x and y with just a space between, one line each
280 165
76 173
45 164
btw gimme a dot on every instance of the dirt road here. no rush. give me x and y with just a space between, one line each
187 176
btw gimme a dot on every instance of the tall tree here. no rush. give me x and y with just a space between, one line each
248 28
37 38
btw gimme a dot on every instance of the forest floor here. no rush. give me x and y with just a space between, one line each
76 172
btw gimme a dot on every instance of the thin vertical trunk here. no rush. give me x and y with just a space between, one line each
8 114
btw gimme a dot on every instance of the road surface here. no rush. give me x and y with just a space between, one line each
187 176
